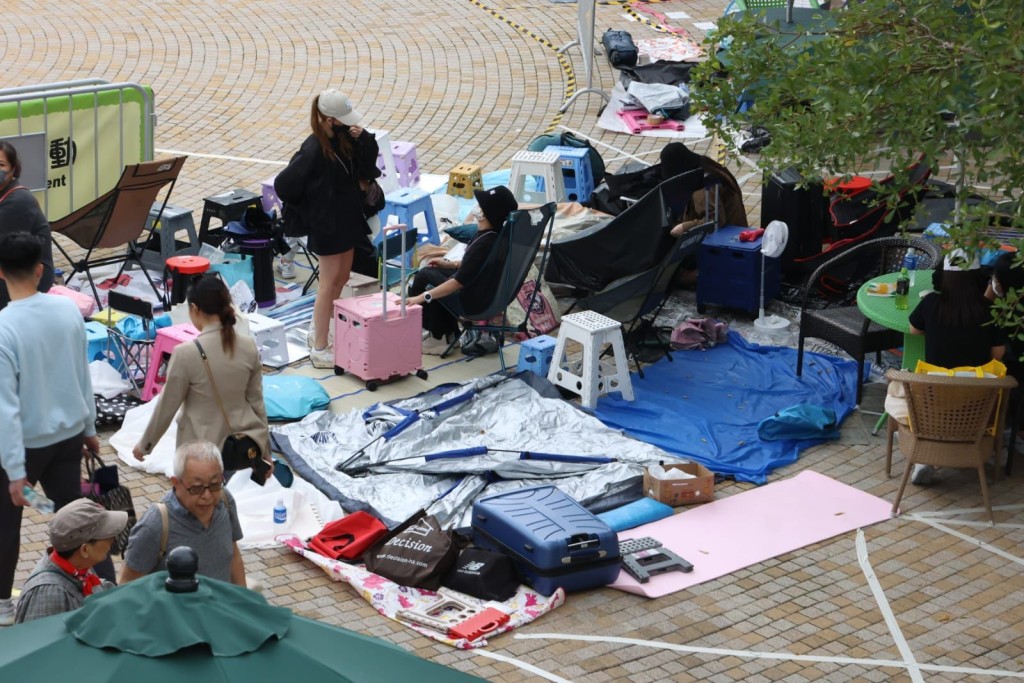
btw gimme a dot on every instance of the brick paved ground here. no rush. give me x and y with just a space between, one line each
462 81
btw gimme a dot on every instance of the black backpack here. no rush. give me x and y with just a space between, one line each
620 48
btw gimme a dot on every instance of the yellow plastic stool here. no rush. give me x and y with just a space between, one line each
463 179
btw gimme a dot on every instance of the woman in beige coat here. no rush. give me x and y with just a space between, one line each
235 365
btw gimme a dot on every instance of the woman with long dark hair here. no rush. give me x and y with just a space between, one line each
237 376
324 184
957 321
20 212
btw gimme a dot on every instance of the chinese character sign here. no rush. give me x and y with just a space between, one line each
89 140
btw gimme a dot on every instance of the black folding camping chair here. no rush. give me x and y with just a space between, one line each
117 219
514 253
636 300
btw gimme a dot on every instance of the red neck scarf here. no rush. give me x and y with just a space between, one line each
86 576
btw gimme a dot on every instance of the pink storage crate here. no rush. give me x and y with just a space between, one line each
375 346
374 339
636 122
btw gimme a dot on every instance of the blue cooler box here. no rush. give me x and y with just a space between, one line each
553 540
729 272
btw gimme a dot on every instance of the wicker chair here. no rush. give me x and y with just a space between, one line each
951 420
844 325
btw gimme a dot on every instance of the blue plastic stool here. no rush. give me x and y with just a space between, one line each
96 336
536 355
406 204
577 173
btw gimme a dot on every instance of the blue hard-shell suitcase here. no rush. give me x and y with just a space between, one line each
553 540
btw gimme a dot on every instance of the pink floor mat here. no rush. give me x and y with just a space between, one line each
750 527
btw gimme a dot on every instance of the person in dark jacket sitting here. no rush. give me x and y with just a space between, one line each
325 182
466 278
20 212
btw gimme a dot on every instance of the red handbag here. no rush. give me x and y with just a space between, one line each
349 537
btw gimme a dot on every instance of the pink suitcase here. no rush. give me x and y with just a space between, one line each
378 338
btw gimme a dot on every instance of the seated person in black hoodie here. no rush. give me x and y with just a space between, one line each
463 278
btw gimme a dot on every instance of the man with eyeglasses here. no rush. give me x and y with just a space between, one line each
199 514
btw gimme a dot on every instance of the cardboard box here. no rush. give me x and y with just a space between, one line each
360 285
676 492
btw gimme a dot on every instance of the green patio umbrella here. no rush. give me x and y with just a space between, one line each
171 627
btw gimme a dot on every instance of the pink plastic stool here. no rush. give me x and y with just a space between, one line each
406 163
167 338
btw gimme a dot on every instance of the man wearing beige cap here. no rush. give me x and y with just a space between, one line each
81 534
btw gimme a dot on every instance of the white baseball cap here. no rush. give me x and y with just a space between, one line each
335 105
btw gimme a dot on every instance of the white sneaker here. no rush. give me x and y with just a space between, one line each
433 346
322 358
923 475
7 612
286 269
311 336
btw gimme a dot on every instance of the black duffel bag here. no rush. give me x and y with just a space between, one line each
620 48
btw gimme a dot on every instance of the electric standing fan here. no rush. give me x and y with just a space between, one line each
773 243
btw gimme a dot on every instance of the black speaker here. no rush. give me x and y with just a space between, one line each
803 210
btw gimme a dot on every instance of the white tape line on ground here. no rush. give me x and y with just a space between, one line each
522 665
973 541
594 141
964 511
783 656
223 157
883 606
967 522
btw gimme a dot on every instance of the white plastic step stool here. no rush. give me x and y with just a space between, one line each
270 339
544 165
592 377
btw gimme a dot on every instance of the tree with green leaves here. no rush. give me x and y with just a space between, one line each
875 86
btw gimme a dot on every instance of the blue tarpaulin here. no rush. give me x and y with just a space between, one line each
706 405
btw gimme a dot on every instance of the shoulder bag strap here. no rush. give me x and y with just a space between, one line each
12 189
165 530
213 384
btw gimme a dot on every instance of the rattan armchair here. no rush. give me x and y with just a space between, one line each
951 424
844 325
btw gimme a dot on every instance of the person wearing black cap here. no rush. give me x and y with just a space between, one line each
466 278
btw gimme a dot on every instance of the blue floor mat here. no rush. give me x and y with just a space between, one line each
705 405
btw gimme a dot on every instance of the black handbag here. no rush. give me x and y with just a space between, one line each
293 221
373 198
239 451
103 485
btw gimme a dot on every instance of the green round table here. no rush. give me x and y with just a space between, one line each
882 310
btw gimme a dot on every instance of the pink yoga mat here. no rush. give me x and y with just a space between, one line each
735 532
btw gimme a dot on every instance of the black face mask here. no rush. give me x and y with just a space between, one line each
4 175
340 129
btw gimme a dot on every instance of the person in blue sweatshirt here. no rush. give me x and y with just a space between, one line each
47 408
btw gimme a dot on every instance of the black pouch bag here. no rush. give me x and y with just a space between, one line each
483 574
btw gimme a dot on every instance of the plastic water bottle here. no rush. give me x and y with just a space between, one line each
910 263
280 513
58 276
37 500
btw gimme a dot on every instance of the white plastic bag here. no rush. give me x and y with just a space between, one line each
106 381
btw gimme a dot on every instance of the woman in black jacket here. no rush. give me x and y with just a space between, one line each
20 212
324 184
